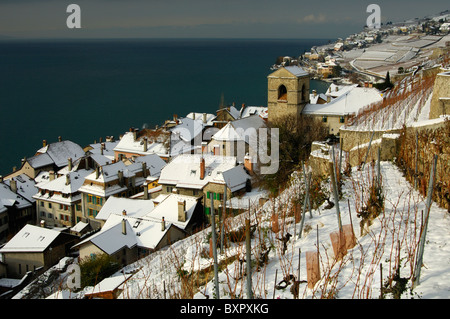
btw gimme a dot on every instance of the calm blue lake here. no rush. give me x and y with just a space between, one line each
86 89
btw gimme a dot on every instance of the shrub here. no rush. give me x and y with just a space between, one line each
95 269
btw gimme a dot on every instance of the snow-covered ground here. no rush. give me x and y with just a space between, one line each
357 275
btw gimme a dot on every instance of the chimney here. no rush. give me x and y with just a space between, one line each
100 139
67 179
102 148
202 168
146 191
13 185
336 89
69 164
124 226
124 213
243 106
43 223
204 117
51 175
175 118
366 84
144 169
14 169
44 143
370 84
163 224
193 115
145 144
97 172
120 174
204 147
248 163
314 93
328 99
182 211
59 138
1 178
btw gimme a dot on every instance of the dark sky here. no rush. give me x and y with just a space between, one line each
203 18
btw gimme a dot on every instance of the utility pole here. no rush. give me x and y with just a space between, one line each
248 259
419 261
214 244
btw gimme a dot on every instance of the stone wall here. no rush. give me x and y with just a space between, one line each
440 102
433 138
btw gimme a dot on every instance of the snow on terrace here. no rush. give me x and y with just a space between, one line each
356 276
404 105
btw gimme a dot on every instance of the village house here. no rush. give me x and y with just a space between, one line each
128 235
51 156
58 200
34 247
16 206
343 102
143 142
205 176
237 138
116 179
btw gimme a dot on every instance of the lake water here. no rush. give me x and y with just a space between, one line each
86 89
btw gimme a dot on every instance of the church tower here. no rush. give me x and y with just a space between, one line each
288 92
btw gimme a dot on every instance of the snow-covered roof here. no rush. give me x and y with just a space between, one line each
133 207
31 239
199 116
236 178
8 198
59 184
154 164
108 284
107 151
79 226
25 186
227 133
129 145
348 103
40 160
59 152
243 129
184 170
144 231
252 110
296 70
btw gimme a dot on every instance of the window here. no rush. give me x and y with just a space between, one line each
207 195
90 212
49 205
324 119
94 200
78 207
341 119
42 204
207 210
89 198
282 93
61 206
